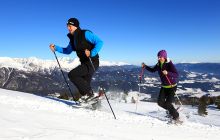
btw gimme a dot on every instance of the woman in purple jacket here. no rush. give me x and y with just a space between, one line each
168 75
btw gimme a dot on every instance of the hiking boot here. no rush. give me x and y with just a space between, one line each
76 97
64 96
90 94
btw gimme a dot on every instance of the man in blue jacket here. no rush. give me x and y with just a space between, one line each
86 45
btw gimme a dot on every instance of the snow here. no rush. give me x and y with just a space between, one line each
9 62
214 93
30 64
211 80
192 75
217 86
36 64
189 90
214 80
187 81
110 63
152 80
197 92
26 116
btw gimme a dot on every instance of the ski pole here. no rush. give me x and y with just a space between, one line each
141 75
110 105
175 92
63 75
92 64
103 91
140 78
140 81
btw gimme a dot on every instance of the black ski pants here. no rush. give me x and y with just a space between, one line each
81 76
165 99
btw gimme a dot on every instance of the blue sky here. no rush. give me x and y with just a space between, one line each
132 31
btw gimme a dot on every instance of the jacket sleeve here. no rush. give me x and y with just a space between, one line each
172 72
98 43
66 50
154 69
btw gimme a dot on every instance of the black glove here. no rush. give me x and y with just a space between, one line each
143 65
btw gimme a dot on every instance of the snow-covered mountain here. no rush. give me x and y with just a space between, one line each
26 116
39 76
43 76
34 64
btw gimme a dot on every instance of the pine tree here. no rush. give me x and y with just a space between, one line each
202 108
217 102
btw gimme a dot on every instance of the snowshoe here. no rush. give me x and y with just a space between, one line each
91 104
168 115
93 97
175 121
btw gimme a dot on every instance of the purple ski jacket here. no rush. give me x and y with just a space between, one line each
170 68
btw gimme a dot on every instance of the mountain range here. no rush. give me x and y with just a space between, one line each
43 77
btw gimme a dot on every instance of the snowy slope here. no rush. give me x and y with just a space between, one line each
28 117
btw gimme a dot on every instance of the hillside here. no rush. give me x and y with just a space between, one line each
26 116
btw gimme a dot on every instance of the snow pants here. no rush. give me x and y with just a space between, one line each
81 76
165 99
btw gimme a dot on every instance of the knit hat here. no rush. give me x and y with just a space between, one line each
162 53
73 21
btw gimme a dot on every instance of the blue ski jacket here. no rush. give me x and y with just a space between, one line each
90 37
